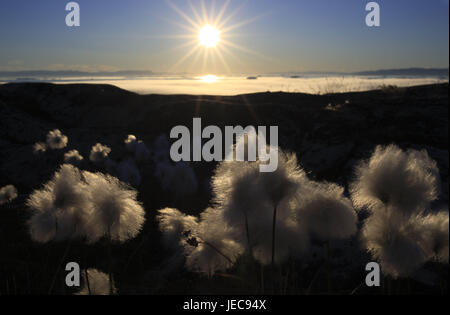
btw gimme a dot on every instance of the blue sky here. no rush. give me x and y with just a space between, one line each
283 35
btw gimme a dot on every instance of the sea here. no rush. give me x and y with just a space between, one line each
243 84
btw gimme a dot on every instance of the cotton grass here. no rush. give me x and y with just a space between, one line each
75 204
206 242
56 140
407 180
397 188
39 148
7 194
73 157
96 283
328 213
99 153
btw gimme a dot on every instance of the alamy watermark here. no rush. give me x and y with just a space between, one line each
373 277
73 276
251 144
73 17
372 18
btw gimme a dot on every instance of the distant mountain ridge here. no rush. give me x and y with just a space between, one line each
73 73
439 72
407 72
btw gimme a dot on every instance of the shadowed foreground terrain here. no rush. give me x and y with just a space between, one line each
329 134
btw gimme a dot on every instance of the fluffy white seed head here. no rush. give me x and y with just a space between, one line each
215 248
436 230
99 283
7 194
99 153
56 140
328 214
76 204
39 147
407 181
130 143
73 157
116 212
396 241
282 184
60 208
248 198
174 225
292 239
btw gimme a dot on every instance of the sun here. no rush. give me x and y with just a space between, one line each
209 36
210 78
209 33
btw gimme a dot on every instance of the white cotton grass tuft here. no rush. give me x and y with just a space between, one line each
116 213
436 230
328 213
207 242
237 193
130 143
7 194
292 239
398 243
173 225
284 181
97 283
73 157
61 208
128 172
397 187
248 199
407 181
39 148
56 140
213 248
75 204
99 153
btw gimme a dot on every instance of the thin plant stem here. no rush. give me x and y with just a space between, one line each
87 281
314 279
111 290
141 243
218 251
286 281
262 279
329 267
59 267
247 232
274 222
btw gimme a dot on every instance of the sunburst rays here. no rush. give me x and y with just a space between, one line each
209 36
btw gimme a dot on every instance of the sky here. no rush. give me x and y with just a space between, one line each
258 36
